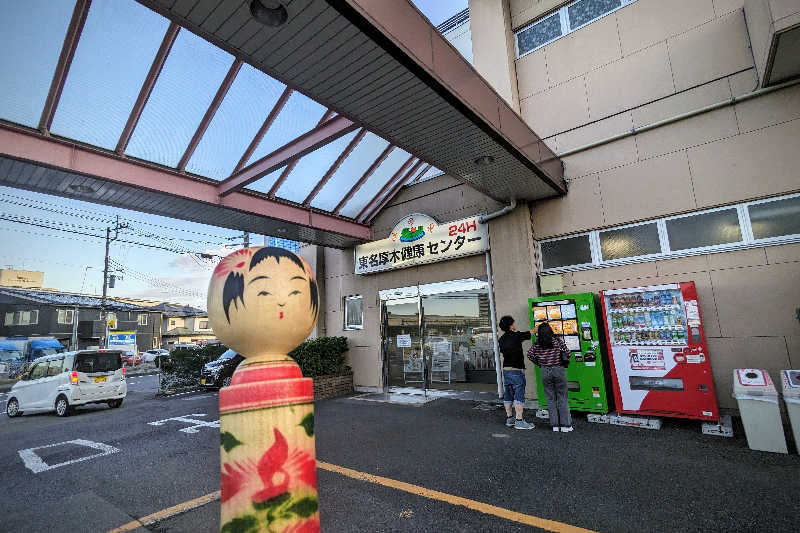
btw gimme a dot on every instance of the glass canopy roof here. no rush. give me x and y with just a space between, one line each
148 90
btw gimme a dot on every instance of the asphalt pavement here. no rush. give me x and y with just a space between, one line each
103 468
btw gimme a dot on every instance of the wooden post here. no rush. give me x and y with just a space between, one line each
262 303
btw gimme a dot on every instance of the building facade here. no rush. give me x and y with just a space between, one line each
74 320
680 156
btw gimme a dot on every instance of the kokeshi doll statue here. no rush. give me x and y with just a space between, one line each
262 303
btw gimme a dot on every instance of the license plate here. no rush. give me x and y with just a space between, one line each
203 381
100 380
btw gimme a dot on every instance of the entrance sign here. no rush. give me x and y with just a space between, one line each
419 239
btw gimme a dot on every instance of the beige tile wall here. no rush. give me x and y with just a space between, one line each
747 301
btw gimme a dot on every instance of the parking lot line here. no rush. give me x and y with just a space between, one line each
168 512
485 508
530 520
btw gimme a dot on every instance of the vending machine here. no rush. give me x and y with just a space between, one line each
657 350
574 318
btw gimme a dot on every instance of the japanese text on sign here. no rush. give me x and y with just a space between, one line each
419 239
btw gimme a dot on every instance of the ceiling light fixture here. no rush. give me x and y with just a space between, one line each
484 160
269 12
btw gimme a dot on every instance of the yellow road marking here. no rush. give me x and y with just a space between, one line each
168 512
485 508
542 523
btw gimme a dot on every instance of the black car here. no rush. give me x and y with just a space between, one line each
218 373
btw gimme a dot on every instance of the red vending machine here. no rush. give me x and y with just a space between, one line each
657 350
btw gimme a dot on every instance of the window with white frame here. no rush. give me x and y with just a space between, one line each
142 319
21 318
759 223
565 20
771 219
567 251
354 312
204 324
713 228
65 316
629 241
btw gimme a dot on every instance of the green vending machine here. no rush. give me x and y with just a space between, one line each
574 317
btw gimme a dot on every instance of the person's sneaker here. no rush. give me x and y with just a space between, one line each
555 428
566 429
510 421
521 424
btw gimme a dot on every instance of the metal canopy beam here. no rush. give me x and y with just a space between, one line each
79 14
335 166
210 112
393 192
388 184
147 87
273 114
27 145
371 170
288 170
308 142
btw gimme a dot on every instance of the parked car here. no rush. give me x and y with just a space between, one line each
12 360
63 381
218 373
156 355
131 358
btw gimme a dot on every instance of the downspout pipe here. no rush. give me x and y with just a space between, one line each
507 209
492 318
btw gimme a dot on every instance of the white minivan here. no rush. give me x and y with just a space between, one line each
62 381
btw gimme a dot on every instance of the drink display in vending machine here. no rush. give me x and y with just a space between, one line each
657 350
574 318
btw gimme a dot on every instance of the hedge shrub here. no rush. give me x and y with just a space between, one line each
318 357
322 356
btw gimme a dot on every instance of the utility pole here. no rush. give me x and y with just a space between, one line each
103 315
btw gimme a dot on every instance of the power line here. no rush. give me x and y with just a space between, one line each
104 218
133 243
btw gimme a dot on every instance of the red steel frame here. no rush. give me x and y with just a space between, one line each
288 170
79 14
335 166
24 144
405 179
371 170
210 112
147 87
306 143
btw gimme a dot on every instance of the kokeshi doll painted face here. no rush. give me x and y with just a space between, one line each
262 302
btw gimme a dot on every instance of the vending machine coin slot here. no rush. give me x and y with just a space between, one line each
703 388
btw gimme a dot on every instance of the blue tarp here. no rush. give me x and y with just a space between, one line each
43 344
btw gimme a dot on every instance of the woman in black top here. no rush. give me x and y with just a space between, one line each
513 372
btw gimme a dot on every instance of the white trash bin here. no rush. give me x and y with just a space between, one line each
791 396
758 405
